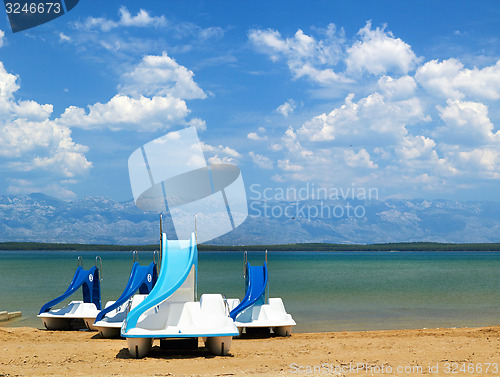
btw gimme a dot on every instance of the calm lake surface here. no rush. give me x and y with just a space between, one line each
322 291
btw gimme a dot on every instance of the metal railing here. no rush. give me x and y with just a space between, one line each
101 277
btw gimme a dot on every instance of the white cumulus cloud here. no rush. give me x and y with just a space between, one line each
413 147
379 52
417 126
305 55
450 79
63 37
371 119
484 161
151 97
288 166
326 58
220 154
141 19
30 140
161 75
259 135
399 88
360 159
286 108
123 112
466 123
261 161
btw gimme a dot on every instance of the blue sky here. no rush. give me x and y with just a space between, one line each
394 95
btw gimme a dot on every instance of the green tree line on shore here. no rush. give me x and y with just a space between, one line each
403 246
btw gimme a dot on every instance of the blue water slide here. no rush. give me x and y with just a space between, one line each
178 257
255 288
142 279
88 280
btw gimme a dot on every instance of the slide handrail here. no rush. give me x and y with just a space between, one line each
98 258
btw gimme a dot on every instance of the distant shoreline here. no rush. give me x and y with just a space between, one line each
312 247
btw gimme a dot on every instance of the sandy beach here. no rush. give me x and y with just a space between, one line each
431 352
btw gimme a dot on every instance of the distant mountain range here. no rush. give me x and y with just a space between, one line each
41 218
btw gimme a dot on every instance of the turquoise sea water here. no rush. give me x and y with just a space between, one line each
323 291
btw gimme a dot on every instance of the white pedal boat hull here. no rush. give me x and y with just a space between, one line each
60 319
271 315
205 319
